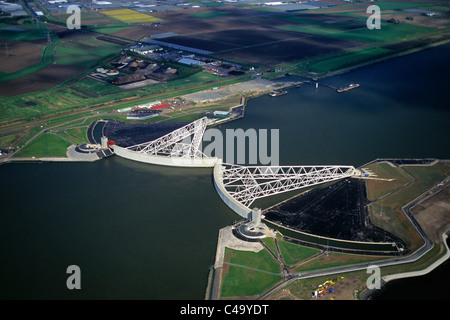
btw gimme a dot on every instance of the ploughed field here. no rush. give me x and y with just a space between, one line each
256 40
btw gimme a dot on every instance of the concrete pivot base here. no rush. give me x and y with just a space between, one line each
250 231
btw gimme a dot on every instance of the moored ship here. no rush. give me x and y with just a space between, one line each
277 93
351 86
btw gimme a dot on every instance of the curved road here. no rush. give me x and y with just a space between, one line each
427 246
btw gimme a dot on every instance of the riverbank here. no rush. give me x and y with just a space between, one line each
386 280
73 155
202 100
372 62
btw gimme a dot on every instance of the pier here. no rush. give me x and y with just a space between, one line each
349 87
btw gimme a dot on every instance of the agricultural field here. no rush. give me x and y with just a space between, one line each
266 38
20 55
130 16
88 18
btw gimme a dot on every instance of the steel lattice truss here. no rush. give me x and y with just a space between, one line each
246 184
170 144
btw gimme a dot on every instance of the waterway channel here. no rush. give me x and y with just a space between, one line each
145 232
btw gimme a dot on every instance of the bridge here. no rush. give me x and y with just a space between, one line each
237 185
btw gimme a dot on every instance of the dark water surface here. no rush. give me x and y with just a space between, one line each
146 232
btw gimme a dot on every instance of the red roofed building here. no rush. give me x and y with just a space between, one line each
160 106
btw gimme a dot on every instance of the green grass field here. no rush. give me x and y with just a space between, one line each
388 31
347 59
96 87
84 52
259 274
293 253
45 145
28 32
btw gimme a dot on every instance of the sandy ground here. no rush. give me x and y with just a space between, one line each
343 290
245 88
433 214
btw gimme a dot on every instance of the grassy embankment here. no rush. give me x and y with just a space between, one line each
389 197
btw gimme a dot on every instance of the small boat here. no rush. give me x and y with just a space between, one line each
277 93
351 86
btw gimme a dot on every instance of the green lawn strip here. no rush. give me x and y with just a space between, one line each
96 87
348 59
45 145
293 253
29 32
110 29
335 259
84 52
256 273
270 243
185 118
387 32
64 135
80 133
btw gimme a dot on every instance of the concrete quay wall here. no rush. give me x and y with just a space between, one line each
164 160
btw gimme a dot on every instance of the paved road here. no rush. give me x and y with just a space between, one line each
427 246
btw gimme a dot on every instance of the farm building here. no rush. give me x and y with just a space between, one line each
128 79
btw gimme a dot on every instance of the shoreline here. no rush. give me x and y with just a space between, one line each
365 64
370 294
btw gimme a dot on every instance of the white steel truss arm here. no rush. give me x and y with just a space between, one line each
246 184
169 144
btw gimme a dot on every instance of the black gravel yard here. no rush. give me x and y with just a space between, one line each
125 135
337 211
